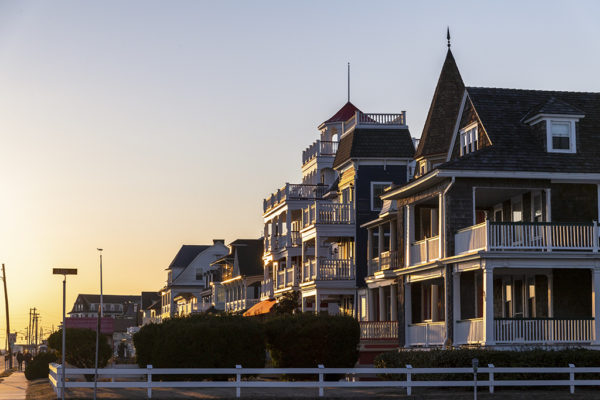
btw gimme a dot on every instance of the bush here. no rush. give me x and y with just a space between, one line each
307 340
201 341
81 347
38 367
499 358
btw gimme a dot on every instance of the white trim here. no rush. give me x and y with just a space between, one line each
468 140
567 176
371 192
540 117
572 135
457 124
413 184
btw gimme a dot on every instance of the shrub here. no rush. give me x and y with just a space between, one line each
201 341
307 340
38 367
289 303
81 347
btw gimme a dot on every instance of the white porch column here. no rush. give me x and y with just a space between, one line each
382 304
393 302
407 313
303 304
410 231
302 261
380 241
456 302
435 296
317 302
548 205
317 263
596 303
369 244
488 306
288 227
393 235
370 305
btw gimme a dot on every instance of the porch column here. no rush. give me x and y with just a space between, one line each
488 305
393 302
382 304
410 231
596 303
456 303
548 205
441 226
370 305
393 235
288 227
317 302
303 304
380 241
407 313
369 244
317 266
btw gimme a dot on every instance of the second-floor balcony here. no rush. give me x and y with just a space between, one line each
319 148
328 269
322 212
287 278
292 191
279 242
388 260
527 236
425 250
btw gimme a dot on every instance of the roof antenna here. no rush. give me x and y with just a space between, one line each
348 82
448 36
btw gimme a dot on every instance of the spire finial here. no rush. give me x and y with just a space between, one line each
448 36
348 82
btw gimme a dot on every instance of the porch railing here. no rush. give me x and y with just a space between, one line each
425 250
370 330
375 120
543 330
427 334
537 236
286 278
266 289
327 213
319 148
469 331
293 191
327 269
387 261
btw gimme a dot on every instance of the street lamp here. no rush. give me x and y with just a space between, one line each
100 315
64 272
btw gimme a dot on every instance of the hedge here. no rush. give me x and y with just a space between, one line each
456 358
201 341
38 367
307 340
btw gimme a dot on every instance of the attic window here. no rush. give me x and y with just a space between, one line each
561 136
468 139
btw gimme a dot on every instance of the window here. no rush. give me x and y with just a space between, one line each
561 136
377 189
199 274
468 139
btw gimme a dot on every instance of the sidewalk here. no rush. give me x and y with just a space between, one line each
14 387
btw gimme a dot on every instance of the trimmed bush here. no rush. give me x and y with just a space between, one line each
307 340
201 341
81 347
38 367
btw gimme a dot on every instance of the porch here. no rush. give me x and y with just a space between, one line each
328 269
327 213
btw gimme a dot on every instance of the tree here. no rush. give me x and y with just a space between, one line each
81 347
288 303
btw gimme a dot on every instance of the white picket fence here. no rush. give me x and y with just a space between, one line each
125 378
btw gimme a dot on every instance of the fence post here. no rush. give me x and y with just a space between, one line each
238 380
59 382
408 380
321 381
149 372
491 367
572 377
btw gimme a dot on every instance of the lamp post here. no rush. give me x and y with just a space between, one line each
64 272
98 327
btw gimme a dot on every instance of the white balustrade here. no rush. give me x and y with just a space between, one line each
328 213
327 269
378 330
280 279
387 261
544 330
319 148
427 334
425 250
469 331
293 191
472 238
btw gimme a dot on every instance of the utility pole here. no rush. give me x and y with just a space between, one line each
10 362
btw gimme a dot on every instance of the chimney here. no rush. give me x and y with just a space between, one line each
217 241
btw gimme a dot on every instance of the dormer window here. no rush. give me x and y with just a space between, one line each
561 136
468 139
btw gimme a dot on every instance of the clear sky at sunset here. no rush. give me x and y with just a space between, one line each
138 126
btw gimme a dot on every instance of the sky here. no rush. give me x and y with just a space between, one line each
139 126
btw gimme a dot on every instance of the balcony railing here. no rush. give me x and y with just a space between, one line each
427 334
287 277
240 305
266 289
387 261
530 236
319 148
376 330
543 330
327 269
375 120
274 243
425 250
469 331
293 191
327 213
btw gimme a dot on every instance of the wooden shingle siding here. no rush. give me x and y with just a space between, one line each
574 202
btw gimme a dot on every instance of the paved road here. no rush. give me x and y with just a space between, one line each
14 387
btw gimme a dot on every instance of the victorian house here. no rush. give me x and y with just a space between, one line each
313 240
495 240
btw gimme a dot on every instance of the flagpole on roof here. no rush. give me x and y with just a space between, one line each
348 82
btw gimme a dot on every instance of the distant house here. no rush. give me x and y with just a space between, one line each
241 273
120 312
150 307
185 280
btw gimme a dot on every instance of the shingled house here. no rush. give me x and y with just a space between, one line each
498 233
313 240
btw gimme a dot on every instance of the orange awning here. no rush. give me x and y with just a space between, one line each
264 307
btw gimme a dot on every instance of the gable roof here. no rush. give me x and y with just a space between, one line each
148 298
343 114
516 147
439 125
248 253
553 106
374 143
186 255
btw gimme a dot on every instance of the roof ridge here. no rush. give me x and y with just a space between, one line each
530 90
